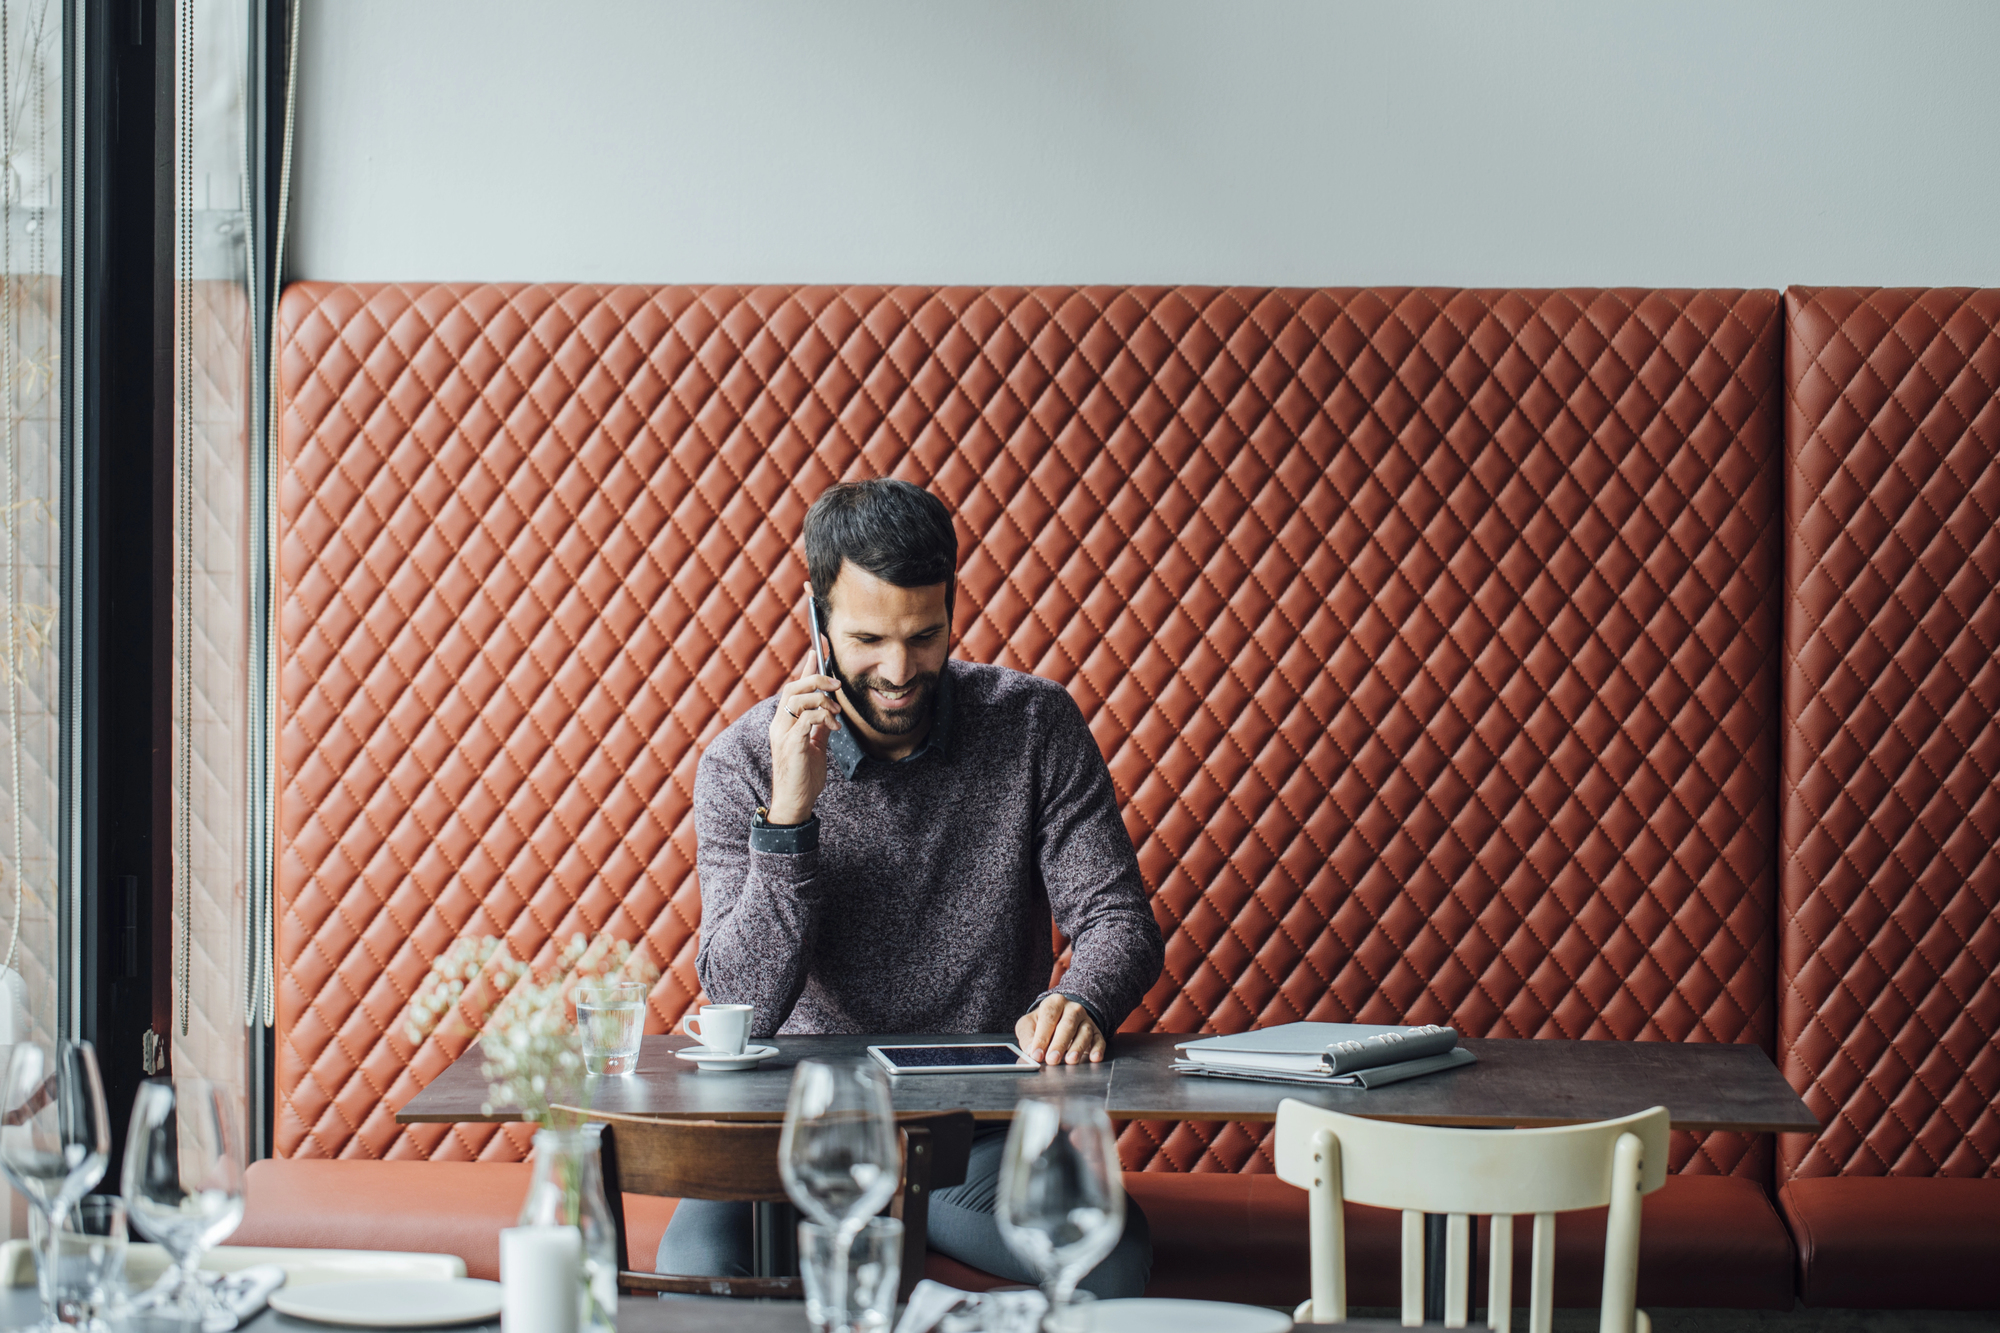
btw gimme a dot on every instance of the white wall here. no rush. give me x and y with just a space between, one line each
1510 142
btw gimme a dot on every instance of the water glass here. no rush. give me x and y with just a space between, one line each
183 1183
611 1016
1061 1204
89 1259
55 1138
874 1264
838 1154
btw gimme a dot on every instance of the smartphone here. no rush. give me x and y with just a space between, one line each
812 619
819 654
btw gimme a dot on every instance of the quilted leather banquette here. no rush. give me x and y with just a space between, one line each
1433 639
1890 958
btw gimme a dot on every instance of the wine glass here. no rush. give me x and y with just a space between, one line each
838 1155
55 1138
183 1182
1061 1205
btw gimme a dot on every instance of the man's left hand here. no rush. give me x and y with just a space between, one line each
1059 1031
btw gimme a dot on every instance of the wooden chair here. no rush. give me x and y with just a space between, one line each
737 1161
1464 1172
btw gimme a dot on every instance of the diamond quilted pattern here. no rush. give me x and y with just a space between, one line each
1430 636
1890 961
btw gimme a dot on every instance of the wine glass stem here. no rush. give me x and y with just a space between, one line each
1059 1290
58 1207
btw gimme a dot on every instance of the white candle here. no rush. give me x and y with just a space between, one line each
541 1275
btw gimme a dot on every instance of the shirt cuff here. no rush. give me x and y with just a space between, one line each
784 839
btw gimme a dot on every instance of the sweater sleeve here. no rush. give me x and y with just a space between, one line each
758 906
1091 874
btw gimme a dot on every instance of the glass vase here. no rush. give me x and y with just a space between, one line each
567 1189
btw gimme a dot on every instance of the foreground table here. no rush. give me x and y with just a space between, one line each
20 1307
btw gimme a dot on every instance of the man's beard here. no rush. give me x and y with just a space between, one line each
906 720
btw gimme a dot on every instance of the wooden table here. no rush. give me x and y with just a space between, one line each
665 1086
1516 1083
1704 1086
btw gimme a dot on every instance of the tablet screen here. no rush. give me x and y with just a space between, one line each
914 1058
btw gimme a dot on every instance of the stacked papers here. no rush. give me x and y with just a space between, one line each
1343 1055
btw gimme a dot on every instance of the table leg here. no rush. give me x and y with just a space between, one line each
774 1239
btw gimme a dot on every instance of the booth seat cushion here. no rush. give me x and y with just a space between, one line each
429 1207
1896 1242
1704 1241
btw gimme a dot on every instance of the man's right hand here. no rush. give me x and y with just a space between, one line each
806 714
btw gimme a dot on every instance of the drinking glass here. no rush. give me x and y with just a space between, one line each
55 1138
874 1263
183 1182
89 1246
1061 1205
839 1157
611 1017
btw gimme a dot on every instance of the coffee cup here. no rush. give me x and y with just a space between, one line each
723 1028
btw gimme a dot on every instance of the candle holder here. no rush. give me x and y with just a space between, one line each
567 1189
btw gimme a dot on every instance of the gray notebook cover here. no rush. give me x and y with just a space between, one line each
1291 1038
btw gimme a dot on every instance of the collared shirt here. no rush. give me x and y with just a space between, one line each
845 756
844 753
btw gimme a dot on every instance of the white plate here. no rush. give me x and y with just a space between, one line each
1143 1315
721 1062
391 1302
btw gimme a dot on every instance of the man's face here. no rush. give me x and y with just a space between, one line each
889 646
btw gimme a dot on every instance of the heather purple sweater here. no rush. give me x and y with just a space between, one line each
918 897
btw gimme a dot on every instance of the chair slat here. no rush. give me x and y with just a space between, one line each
1500 1274
1457 1269
1542 1279
1413 1268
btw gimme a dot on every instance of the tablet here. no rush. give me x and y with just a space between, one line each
985 1058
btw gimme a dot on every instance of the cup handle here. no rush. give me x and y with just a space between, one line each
691 1025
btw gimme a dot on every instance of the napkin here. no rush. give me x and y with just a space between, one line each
238 1296
933 1305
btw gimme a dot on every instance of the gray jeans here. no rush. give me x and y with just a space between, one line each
707 1238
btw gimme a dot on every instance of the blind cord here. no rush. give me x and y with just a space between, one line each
260 995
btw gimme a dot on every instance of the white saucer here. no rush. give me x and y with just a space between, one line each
718 1062
391 1303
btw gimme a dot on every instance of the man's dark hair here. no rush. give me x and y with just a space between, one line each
898 532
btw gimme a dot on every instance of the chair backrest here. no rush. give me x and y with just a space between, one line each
737 1161
1465 1172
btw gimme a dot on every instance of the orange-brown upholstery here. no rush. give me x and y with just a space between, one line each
429 1207
1890 960
1431 637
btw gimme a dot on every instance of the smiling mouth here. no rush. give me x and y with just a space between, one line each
893 698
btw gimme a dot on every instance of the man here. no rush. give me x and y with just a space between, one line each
880 850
